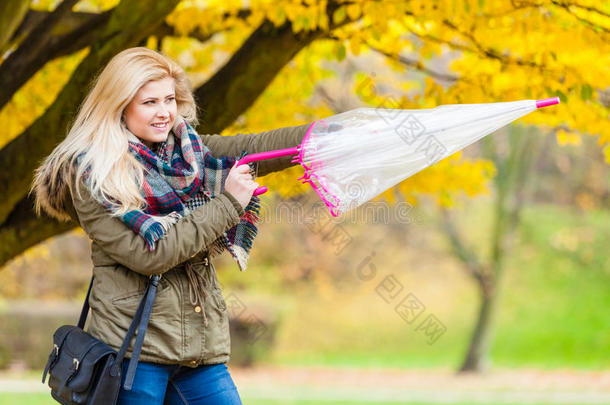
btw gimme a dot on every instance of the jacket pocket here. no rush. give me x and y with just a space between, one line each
219 301
128 301
164 336
128 297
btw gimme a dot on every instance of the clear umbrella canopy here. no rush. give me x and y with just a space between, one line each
352 157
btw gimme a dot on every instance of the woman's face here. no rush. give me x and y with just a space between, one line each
152 112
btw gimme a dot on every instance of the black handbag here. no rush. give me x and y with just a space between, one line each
85 370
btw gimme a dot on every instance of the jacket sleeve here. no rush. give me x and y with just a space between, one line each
190 235
281 138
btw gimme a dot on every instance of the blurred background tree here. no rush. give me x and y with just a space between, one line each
259 65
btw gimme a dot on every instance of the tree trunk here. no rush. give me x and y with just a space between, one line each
477 359
11 14
510 182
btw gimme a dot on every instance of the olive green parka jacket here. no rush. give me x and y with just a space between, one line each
178 333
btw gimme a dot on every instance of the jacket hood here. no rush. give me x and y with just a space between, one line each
53 193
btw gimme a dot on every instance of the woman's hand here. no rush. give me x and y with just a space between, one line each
240 184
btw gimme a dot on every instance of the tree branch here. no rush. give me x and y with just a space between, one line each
74 31
37 38
568 9
129 22
418 65
250 70
42 46
474 267
68 22
23 229
12 12
568 5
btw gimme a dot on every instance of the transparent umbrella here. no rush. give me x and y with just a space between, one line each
352 157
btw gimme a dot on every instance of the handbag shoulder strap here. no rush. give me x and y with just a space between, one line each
140 320
83 313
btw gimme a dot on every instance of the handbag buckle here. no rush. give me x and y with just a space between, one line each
155 279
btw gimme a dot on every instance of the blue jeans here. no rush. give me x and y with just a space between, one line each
179 385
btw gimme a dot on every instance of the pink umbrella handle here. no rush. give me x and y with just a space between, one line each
260 190
272 154
545 102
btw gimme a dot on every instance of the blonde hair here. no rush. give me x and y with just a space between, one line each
115 175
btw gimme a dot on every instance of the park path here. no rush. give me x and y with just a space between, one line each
328 385
522 386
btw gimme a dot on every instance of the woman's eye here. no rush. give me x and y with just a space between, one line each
153 101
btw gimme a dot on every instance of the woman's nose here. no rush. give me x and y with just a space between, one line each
163 111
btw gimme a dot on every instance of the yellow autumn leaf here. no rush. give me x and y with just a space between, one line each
353 11
354 45
567 138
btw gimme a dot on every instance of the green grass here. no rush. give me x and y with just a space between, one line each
9 398
555 303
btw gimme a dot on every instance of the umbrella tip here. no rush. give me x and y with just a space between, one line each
545 102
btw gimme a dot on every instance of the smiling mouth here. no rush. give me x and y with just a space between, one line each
160 125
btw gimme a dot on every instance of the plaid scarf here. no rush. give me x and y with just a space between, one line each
181 176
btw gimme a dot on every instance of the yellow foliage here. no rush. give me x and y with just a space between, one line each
36 96
339 15
353 11
567 138
446 180
498 50
355 45
90 6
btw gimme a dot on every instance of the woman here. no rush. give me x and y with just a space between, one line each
156 198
